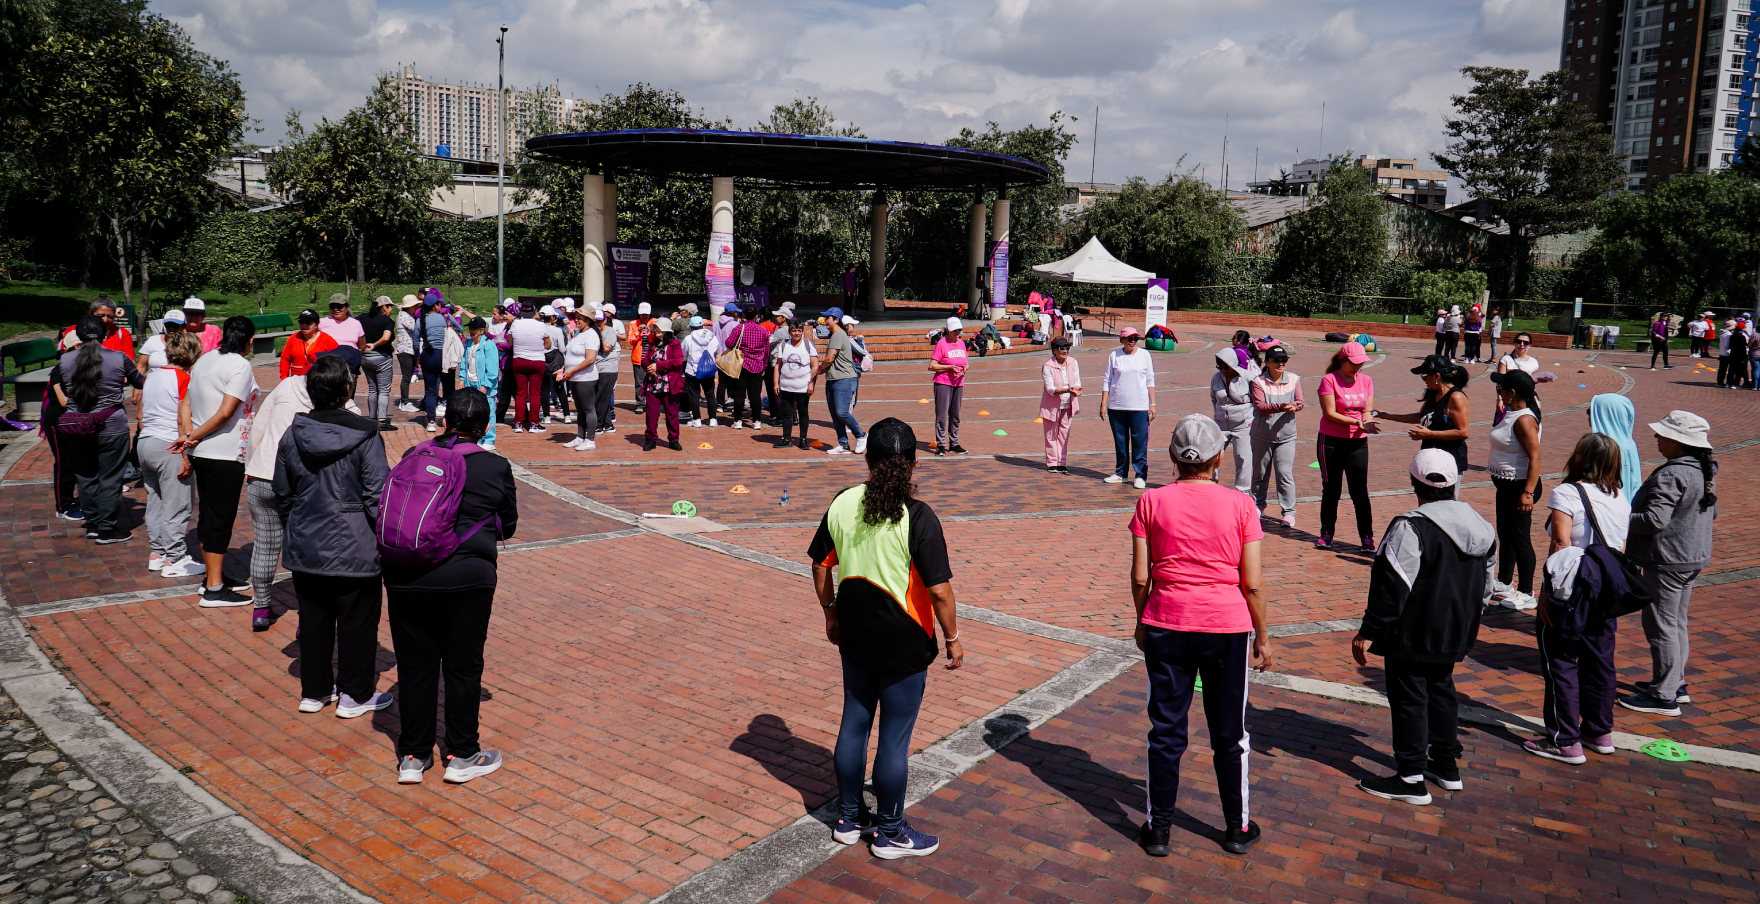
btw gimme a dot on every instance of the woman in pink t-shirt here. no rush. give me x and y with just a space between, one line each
948 364
1197 584
1347 404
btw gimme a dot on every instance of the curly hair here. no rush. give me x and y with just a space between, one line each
889 487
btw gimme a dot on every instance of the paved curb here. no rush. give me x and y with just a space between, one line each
240 854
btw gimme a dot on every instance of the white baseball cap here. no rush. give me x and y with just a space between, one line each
1435 468
565 304
644 308
193 303
547 311
953 325
175 315
849 321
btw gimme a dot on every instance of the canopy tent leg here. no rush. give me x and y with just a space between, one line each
975 244
877 253
593 270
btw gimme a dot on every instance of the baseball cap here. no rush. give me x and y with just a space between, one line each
838 312
644 308
381 301
410 301
1196 438
696 321
1353 352
732 308
1276 351
1707 314
665 324
1517 381
689 307
565 304
1432 364
849 321
175 315
1435 468
953 324
546 311
892 438
477 323
595 312
338 300
1128 332
193 303
308 316
1061 342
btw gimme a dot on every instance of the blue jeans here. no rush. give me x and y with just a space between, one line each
430 364
840 395
897 698
1130 441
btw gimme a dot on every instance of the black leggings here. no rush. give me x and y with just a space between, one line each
1515 545
1472 349
406 364
439 637
1658 347
218 487
792 407
747 388
586 407
1344 461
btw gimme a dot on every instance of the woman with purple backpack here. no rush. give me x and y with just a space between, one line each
440 604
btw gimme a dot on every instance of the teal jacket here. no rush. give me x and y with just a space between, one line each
485 360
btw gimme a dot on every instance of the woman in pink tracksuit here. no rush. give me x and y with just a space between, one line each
1059 403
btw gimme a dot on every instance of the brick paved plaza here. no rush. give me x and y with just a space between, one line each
668 701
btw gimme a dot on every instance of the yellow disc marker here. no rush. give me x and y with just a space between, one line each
922 401
704 446
739 490
983 412
1038 420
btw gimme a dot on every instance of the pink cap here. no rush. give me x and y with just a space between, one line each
1128 332
1353 352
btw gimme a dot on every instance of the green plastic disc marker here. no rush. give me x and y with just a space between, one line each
1313 464
685 508
1002 433
1665 749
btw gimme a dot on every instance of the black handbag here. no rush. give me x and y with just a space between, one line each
1622 590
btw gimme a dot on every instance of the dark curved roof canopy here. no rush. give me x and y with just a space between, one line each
788 161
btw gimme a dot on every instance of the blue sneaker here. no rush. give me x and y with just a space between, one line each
907 843
848 831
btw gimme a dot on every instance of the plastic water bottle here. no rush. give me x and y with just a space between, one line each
785 495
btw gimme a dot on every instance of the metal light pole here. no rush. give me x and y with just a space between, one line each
501 170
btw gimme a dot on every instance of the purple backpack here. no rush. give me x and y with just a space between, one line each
419 505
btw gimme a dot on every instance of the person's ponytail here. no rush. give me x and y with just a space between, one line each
1708 468
88 366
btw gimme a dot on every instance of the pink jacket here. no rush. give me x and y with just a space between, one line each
1069 376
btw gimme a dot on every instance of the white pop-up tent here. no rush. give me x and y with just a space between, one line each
1094 264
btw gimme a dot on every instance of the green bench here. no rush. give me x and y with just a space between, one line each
271 327
27 364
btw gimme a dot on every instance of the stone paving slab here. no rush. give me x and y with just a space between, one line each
650 730
1053 816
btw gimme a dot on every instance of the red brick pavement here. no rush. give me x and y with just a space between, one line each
652 724
1052 818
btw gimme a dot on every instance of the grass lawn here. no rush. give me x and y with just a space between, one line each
31 306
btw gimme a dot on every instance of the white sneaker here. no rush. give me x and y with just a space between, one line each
586 446
464 768
309 705
182 568
486 447
155 563
410 769
572 443
1141 484
537 428
861 444
432 428
347 708
712 422
1113 478
837 450
519 428
440 410
738 426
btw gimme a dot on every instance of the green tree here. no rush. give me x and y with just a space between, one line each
1439 289
1693 237
360 177
1542 159
1339 240
790 231
1179 228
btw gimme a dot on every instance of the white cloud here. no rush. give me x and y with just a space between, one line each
1164 72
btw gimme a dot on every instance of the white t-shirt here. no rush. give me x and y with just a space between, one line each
1611 513
794 366
159 404
528 338
558 339
1496 326
1511 362
154 349
215 377
1697 329
1130 380
583 342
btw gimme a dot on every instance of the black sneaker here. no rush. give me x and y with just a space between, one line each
1236 841
73 513
784 443
1392 787
1153 842
957 449
938 451
675 446
234 583
386 427
92 534
805 445
648 445
1648 687
1446 776
1645 703
223 597
108 537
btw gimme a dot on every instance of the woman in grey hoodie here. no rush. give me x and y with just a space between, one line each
1231 401
329 470
1670 542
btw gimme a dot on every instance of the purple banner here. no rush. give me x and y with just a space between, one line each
753 298
629 271
999 274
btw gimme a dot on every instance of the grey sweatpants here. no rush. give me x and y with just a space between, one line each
1240 442
168 499
378 369
1665 626
1275 461
266 528
947 399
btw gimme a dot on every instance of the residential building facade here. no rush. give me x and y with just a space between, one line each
1672 79
460 120
1396 176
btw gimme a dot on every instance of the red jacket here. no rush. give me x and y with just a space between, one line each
668 367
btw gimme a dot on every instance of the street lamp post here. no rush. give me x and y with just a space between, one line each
501 169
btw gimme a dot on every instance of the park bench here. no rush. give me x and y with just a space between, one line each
270 327
31 362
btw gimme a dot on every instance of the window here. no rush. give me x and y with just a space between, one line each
1677 140
1735 80
1735 61
1646 109
1645 92
1640 165
1662 103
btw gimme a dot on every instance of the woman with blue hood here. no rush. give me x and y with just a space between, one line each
1612 415
1231 398
482 370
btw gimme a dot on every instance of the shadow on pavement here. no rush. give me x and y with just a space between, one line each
794 761
1311 738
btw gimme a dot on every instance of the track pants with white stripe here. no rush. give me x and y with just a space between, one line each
1175 660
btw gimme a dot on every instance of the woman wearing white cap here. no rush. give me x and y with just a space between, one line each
948 364
1231 401
195 313
404 345
1127 402
1670 542
152 353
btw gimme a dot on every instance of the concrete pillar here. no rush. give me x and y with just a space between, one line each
877 253
720 220
999 233
975 243
610 205
593 270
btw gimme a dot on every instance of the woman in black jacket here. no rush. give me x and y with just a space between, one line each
329 470
440 613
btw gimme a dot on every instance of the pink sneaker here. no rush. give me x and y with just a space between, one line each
1289 520
1572 753
1602 745
1369 544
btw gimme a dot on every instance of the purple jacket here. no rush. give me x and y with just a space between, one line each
754 343
668 366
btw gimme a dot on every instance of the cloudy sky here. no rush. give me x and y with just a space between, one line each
1164 73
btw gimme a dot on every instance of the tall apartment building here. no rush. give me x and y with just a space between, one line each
460 120
1672 79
